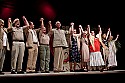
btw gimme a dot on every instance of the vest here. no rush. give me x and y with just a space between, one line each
17 33
59 39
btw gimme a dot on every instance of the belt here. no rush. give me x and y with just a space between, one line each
18 40
34 42
45 44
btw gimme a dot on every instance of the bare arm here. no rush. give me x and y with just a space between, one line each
42 23
104 46
50 28
71 28
108 33
9 23
9 29
100 30
117 37
100 33
25 21
100 38
91 39
80 29
88 29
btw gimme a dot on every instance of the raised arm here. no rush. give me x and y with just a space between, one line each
88 29
116 37
25 21
80 29
80 26
90 37
9 23
100 37
42 23
50 32
50 26
71 29
107 35
9 29
100 33
100 30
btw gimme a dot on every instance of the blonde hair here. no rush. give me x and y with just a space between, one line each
1 20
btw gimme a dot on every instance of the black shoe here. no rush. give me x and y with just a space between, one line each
13 72
21 72
1 73
56 71
37 71
47 71
76 70
43 71
71 70
101 70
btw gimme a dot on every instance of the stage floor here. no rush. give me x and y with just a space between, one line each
72 76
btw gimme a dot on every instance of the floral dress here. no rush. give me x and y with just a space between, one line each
74 53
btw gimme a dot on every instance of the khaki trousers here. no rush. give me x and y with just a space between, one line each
32 57
58 58
18 49
2 57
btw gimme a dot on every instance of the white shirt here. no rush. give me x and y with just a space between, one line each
35 39
4 39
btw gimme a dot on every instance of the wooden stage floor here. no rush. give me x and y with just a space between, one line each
65 76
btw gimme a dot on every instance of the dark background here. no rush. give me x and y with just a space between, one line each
107 14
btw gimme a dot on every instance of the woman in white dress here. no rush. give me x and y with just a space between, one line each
112 61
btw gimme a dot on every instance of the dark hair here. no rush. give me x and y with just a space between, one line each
30 22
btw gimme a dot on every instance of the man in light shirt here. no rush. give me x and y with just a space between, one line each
32 45
4 45
18 44
59 43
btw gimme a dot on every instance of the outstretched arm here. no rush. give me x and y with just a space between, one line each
42 23
88 29
107 35
50 26
80 29
117 37
100 30
25 21
9 23
71 28
100 33
91 38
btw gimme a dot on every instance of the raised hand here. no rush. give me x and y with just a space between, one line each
41 19
80 26
117 35
99 26
49 22
9 20
24 17
71 23
108 29
88 26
